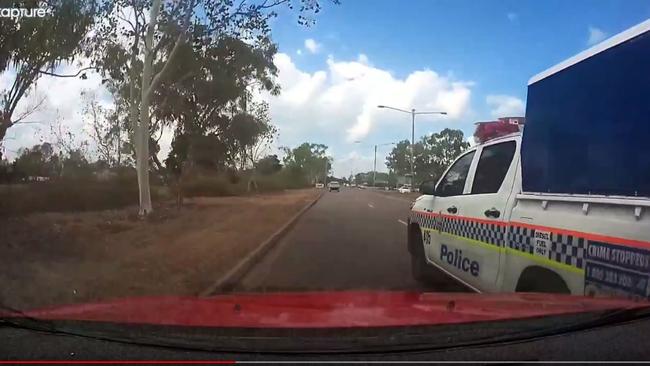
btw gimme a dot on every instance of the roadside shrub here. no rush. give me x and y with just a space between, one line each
121 189
71 194
210 186
284 179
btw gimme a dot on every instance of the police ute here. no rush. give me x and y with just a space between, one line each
560 204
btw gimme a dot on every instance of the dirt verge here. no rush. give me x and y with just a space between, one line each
60 258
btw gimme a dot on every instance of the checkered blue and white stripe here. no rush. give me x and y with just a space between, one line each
566 249
484 232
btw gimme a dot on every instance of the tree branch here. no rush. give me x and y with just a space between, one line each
261 6
67 75
120 15
179 41
22 89
29 111
253 9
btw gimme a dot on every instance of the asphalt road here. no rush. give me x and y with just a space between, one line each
351 240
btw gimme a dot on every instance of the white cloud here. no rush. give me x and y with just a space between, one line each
355 162
343 99
298 52
312 46
338 105
512 16
595 35
505 106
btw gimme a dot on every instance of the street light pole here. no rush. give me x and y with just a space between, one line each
374 169
374 166
413 112
412 148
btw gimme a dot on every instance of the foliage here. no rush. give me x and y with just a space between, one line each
399 159
268 165
41 162
368 178
38 161
432 154
219 184
310 159
224 45
105 130
34 46
439 151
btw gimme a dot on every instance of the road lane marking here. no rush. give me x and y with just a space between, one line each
402 222
395 198
370 205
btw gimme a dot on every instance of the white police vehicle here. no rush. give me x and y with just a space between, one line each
563 206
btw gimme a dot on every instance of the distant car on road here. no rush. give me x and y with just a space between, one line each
320 185
405 189
333 186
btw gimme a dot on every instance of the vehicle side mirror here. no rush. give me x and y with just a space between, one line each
428 187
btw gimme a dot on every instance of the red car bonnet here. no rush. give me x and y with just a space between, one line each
330 309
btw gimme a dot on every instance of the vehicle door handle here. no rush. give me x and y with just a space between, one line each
452 209
493 212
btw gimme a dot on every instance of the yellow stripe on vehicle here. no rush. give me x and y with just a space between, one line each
546 261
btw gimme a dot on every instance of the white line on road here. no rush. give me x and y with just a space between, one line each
398 198
370 205
402 222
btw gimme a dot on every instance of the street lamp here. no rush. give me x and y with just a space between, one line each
374 167
413 113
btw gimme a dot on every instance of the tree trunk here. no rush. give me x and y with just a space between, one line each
160 169
180 179
252 183
142 137
5 123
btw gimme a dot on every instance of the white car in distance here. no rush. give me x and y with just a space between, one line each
333 186
404 189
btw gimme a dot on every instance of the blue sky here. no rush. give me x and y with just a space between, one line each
493 46
497 44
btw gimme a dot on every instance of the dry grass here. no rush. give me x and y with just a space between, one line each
58 258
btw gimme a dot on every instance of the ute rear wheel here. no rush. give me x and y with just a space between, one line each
539 279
